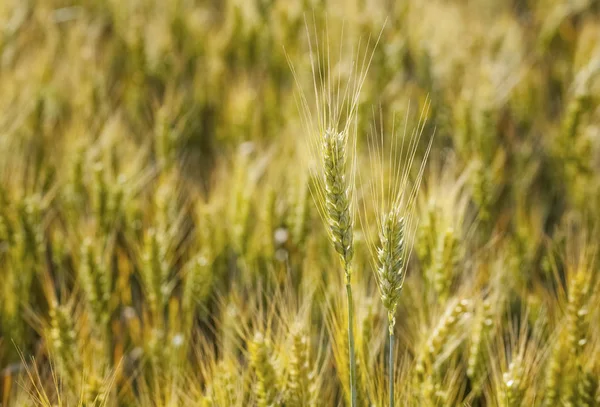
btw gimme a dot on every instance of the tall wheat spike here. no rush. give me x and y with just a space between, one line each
331 126
395 219
337 197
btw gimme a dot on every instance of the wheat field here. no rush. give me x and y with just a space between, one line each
299 203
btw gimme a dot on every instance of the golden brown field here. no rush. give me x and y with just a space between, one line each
244 202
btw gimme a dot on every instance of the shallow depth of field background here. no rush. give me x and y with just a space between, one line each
159 244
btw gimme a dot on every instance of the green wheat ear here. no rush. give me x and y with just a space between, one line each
337 196
330 125
391 257
390 276
395 218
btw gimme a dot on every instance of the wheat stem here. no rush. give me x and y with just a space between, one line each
391 323
351 357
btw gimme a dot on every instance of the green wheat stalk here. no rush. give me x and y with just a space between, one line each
332 141
395 221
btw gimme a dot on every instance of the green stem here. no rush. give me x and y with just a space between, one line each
391 363
351 345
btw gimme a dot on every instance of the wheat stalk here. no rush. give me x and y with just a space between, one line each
395 220
332 130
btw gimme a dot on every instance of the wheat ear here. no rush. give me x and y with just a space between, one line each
395 221
390 274
340 222
337 197
331 128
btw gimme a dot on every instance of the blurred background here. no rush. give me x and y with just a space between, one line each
159 243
